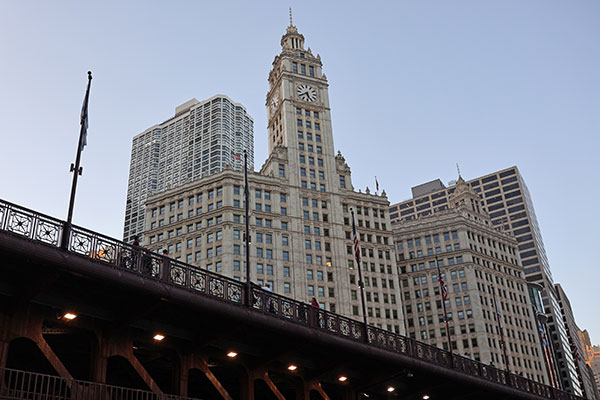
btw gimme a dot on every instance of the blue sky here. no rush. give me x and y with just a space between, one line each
415 87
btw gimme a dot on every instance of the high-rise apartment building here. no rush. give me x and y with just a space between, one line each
506 198
301 202
197 141
488 308
585 375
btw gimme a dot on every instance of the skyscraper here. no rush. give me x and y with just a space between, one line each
506 198
489 314
197 141
585 375
301 202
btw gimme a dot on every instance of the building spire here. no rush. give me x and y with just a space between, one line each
458 169
291 24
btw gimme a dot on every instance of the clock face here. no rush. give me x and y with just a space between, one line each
274 102
306 93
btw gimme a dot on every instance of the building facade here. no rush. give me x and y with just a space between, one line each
586 377
301 202
592 357
487 303
197 141
506 198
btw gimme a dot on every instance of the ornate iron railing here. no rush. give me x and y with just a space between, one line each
15 384
44 229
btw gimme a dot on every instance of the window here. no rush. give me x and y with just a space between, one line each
286 271
311 70
295 67
282 170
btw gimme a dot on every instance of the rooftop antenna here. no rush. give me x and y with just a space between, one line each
291 17
458 169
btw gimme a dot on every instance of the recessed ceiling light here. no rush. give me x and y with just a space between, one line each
391 389
425 397
343 378
292 367
69 316
158 337
232 354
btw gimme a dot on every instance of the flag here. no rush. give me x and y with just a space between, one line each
84 113
376 184
542 334
355 240
84 124
500 321
443 285
236 156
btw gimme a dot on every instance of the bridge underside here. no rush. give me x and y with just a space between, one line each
118 313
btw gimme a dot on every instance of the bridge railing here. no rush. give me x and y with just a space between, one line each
16 384
41 228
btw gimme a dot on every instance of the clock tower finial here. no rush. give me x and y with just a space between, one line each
292 39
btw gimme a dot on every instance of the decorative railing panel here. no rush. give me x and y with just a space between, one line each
15 384
105 250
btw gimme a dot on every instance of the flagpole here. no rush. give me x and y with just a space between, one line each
441 282
361 284
76 169
247 235
498 318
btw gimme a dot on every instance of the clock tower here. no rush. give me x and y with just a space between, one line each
320 196
298 110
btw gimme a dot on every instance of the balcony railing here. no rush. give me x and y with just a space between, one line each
15 384
135 259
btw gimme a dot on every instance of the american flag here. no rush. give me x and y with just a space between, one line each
236 156
443 285
356 248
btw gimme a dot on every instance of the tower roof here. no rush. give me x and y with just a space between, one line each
292 39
